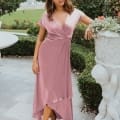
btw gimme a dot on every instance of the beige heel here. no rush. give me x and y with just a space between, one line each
48 113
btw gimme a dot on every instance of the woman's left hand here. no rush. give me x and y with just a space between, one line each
88 33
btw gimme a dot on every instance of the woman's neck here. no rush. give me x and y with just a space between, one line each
59 9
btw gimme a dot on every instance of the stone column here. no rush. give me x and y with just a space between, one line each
106 72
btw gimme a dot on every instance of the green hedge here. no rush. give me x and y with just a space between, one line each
24 47
77 57
77 61
33 30
25 24
89 89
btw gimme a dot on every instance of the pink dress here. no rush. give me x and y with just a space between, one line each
53 82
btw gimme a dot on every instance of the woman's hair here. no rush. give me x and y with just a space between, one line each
50 7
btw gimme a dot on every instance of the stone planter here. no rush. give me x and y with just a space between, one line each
106 72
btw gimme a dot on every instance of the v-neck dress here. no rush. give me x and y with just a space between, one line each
53 85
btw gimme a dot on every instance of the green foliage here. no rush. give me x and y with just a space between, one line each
92 8
18 25
21 25
78 37
6 26
111 7
90 90
77 61
33 30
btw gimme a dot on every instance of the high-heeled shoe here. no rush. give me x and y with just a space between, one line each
48 113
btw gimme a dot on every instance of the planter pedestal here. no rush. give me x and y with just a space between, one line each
106 72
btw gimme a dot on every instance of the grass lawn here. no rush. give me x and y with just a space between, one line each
31 15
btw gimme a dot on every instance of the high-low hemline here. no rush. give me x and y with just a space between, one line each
66 102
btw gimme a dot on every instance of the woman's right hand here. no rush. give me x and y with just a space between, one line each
88 33
35 67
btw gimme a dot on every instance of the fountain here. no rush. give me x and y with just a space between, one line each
31 4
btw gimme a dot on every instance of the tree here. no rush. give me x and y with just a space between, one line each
9 5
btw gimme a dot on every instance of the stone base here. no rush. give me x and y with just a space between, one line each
107 47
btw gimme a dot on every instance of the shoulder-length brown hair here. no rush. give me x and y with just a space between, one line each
50 7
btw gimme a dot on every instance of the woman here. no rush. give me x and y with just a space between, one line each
51 61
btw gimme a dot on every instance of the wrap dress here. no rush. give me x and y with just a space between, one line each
53 85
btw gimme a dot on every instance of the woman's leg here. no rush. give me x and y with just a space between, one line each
48 113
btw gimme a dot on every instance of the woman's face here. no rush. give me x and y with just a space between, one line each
59 2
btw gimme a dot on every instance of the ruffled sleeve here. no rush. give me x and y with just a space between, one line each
42 20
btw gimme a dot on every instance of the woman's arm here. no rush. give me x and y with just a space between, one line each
40 38
86 20
41 35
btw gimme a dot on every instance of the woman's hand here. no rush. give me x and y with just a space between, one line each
88 33
87 20
35 67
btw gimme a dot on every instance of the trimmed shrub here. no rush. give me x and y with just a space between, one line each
90 90
33 30
77 61
25 24
5 26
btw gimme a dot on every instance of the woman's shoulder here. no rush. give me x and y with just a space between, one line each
80 12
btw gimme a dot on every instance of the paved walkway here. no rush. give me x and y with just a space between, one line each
16 91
